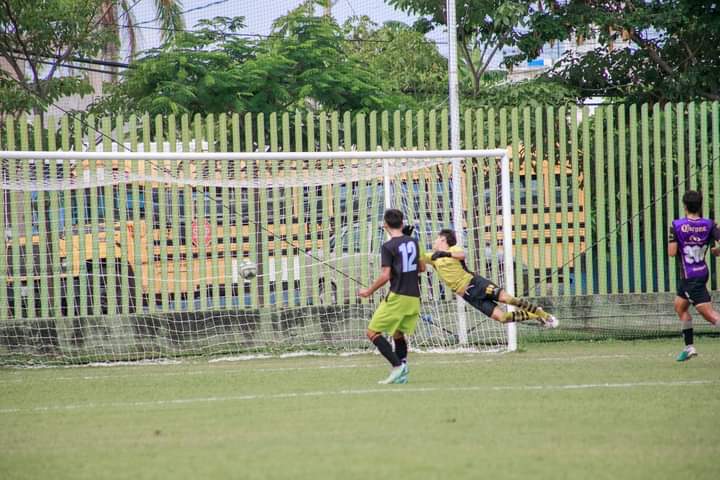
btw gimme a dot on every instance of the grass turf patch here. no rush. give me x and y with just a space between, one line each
560 410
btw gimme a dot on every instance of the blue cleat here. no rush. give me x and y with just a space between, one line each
404 376
687 354
394 376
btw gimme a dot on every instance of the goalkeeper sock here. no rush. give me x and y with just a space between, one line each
517 316
386 349
401 348
527 306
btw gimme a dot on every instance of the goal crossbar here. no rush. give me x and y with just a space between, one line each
354 155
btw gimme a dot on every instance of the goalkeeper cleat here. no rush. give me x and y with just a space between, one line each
687 354
551 322
394 376
548 321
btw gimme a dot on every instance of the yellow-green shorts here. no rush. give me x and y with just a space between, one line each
396 313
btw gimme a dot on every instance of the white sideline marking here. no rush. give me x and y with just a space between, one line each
246 369
369 391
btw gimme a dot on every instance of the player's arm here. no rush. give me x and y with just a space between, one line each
716 239
386 261
426 257
381 280
455 252
672 242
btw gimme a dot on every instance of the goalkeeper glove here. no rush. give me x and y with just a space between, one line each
408 230
437 255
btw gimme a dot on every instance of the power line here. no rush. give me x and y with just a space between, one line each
194 9
74 67
126 13
202 7
92 61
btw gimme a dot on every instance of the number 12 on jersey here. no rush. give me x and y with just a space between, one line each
409 256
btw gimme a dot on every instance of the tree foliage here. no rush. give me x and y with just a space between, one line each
303 64
401 53
529 93
36 40
654 50
484 28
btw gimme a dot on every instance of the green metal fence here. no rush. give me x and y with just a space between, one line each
593 193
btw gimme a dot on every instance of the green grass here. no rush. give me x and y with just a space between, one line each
546 412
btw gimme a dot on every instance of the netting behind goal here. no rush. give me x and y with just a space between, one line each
112 258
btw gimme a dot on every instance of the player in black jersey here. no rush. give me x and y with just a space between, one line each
398 313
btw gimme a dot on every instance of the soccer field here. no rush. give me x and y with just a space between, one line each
562 410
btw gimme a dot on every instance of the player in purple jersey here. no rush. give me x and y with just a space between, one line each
689 240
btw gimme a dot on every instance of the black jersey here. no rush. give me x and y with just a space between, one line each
402 255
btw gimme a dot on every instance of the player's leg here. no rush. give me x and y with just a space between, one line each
699 296
522 304
484 296
401 350
709 313
401 347
382 321
682 307
515 316
490 308
410 305
383 347
386 318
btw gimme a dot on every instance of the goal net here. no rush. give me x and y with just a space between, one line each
131 256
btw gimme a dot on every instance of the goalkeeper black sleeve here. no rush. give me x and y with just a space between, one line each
437 255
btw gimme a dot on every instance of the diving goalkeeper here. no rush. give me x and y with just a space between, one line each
448 260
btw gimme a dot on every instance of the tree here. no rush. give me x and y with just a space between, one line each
36 40
302 65
201 72
647 50
118 19
422 73
529 93
306 64
484 28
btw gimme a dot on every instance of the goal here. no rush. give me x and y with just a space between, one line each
111 256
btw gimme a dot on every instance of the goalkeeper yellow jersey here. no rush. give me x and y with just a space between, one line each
451 270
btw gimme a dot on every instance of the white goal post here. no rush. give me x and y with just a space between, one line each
183 229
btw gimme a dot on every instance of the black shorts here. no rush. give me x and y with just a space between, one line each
694 290
482 294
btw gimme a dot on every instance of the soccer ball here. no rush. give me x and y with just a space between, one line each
248 269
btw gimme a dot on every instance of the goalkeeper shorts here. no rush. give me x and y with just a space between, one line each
482 294
396 313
